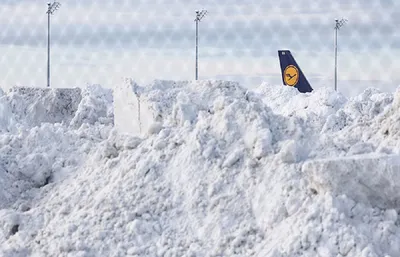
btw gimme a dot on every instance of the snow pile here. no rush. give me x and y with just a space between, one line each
312 108
24 107
206 168
356 128
179 191
32 106
288 101
95 107
387 128
35 154
140 110
362 108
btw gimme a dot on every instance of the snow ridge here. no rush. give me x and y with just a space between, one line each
211 169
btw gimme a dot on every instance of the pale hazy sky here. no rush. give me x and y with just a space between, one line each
101 41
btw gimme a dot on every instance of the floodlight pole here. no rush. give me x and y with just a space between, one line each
48 45
51 8
338 25
199 16
197 45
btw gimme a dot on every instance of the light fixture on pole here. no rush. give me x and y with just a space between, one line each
51 8
199 16
338 25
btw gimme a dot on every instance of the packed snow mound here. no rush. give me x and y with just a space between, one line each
388 126
43 151
177 191
276 96
312 108
361 127
96 106
174 103
205 168
288 101
27 107
237 114
33 106
362 108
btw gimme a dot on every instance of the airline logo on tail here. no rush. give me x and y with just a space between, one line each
291 75
291 72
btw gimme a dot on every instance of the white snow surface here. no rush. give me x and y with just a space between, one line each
198 168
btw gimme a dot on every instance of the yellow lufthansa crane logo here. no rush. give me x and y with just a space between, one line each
291 75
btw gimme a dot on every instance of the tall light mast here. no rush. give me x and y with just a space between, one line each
338 25
51 8
199 15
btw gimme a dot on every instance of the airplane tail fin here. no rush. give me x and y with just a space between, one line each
291 72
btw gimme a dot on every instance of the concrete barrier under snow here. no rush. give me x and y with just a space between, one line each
370 178
132 112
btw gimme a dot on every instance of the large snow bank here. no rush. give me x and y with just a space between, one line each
208 168
37 143
33 106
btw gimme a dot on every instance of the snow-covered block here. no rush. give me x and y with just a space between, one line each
138 110
131 111
368 178
37 105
